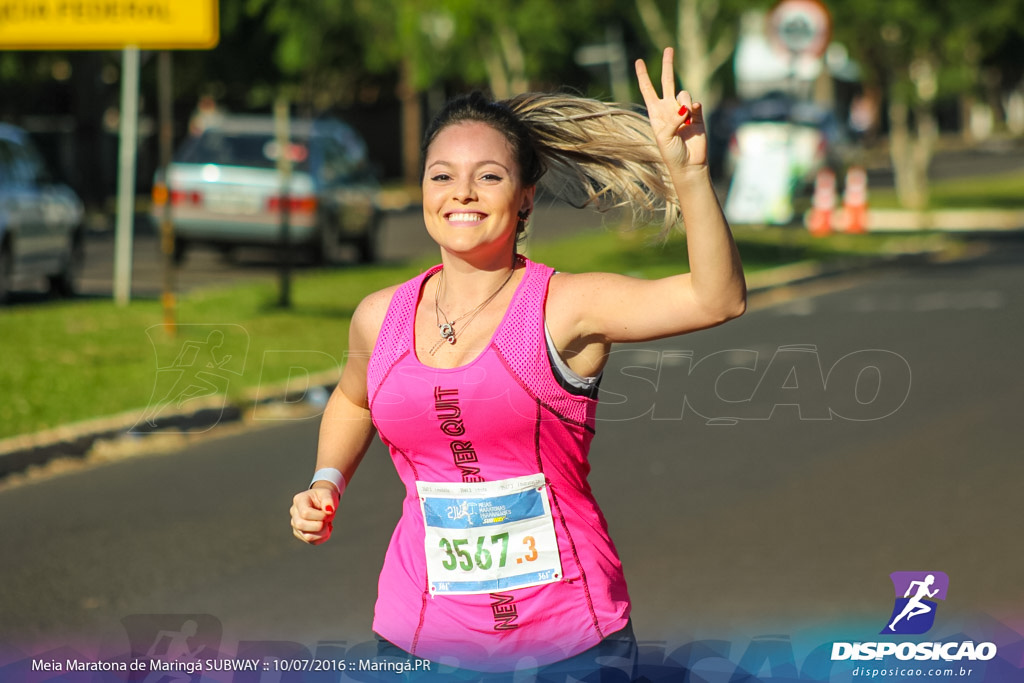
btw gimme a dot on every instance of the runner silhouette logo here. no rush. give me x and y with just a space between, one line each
914 610
194 371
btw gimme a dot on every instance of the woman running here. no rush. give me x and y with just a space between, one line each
480 375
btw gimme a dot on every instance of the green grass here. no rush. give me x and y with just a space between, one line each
70 361
998 191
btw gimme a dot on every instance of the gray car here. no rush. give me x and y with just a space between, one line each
225 190
41 236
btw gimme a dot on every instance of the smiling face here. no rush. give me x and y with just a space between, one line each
472 193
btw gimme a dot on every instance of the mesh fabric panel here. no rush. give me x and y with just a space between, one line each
396 333
521 344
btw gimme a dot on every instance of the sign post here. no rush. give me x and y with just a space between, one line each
127 25
127 152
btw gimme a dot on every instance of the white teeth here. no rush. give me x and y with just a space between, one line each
464 217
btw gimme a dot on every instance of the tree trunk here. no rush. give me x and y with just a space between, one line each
967 102
515 60
911 152
497 78
692 55
927 132
696 60
907 191
505 64
412 125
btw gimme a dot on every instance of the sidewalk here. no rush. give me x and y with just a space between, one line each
945 220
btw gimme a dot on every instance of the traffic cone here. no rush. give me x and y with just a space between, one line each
855 200
823 203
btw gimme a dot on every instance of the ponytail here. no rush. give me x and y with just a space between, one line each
599 155
580 150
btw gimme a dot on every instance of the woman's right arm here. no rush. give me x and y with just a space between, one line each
345 429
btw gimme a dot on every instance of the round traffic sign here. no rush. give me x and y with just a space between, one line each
801 27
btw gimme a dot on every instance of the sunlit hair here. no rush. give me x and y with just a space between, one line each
580 150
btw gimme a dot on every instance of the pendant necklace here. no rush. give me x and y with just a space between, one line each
447 328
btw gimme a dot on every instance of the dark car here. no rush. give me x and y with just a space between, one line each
225 189
41 236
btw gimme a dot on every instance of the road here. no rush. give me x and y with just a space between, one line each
402 237
856 427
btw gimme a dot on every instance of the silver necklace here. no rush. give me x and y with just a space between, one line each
447 328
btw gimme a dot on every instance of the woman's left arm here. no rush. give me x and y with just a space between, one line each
617 308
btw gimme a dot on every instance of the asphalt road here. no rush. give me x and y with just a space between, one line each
856 427
402 237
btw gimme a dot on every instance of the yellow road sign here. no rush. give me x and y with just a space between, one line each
108 24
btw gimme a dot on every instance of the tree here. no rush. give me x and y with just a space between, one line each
704 35
317 51
506 46
917 51
513 47
323 52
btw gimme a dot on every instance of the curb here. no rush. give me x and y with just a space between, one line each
20 454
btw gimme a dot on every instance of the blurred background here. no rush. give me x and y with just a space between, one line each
897 80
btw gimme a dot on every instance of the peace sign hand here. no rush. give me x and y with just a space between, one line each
677 121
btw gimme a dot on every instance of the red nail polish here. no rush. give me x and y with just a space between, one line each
684 111
329 510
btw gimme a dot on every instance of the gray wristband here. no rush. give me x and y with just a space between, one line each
332 475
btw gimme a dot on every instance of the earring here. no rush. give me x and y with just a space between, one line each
521 225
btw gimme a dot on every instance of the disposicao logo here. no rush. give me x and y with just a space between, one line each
914 611
913 614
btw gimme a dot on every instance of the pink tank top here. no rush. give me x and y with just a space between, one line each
500 417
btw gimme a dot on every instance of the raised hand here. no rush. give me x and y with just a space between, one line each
677 121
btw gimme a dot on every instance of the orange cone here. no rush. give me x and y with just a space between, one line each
855 200
823 203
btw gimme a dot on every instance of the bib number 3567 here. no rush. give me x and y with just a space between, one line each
487 536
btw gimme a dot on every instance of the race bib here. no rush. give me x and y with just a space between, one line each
484 537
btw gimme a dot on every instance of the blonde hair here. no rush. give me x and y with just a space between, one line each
600 155
583 151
